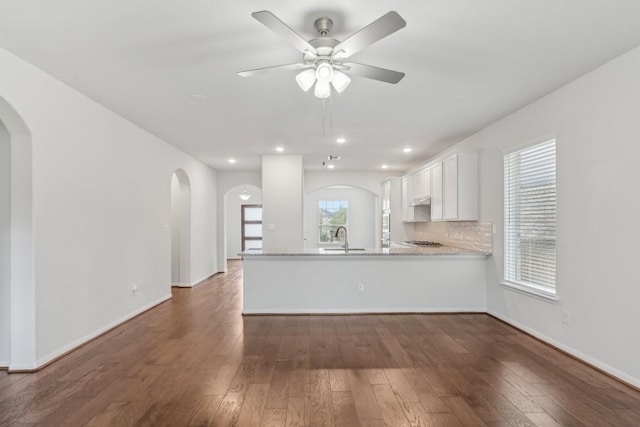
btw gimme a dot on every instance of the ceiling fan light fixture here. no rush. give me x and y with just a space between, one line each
306 79
340 81
324 72
322 90
244 196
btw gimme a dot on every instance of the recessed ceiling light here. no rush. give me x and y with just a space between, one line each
407 150
385 166
341 140
279 149
232 161
198 96
331 166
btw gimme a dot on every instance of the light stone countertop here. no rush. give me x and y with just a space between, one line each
327 252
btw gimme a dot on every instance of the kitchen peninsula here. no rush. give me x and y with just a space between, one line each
396 280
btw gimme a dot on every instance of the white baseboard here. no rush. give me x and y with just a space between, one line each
57 353
572 351
418 310
4 364
200 280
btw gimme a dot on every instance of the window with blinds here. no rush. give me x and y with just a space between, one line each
530 217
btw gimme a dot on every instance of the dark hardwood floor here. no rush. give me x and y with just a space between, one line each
196 361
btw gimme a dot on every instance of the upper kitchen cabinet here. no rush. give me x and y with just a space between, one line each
416 193
407 210
386 195
393 210
436 192
454 188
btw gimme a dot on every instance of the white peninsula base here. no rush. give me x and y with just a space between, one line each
364 284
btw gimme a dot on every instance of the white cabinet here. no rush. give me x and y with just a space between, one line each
450 188
407 209
386 195
436 192
454 188
422 184
393 210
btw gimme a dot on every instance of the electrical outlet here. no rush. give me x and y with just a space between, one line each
565 317
134 289
360 287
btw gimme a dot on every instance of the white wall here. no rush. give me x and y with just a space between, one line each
101 211
233 205
282 201
5 247
596 121
370 181
226 182
361 215
175 231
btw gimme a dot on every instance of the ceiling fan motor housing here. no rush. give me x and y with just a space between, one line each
323 25
324 46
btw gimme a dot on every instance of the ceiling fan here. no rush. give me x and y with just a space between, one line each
324 58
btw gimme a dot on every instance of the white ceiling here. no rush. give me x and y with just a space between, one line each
468 63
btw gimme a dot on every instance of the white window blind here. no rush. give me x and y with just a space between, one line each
530 217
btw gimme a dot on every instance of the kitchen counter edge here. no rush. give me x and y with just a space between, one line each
322 252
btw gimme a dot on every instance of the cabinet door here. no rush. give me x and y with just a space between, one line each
425 182
407 211
386 195
450 187
436 192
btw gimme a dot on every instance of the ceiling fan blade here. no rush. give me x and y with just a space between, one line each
380 28
375 73
273 23
258 71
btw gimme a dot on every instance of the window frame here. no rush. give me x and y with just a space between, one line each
546 292
243 222
321 226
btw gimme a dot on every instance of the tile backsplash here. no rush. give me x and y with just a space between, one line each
472 235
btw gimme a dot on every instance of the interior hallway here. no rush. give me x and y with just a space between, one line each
195 360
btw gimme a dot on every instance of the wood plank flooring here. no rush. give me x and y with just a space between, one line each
196 361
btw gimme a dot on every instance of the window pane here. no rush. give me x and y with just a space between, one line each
253 214
530 216
328 234
253 230
332 213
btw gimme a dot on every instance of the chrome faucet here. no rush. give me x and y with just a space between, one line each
346 236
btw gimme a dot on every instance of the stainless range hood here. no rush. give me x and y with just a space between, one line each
421 201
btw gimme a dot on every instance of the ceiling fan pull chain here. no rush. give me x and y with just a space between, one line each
323 117
330 112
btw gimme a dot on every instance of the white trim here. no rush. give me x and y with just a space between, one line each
572 351
200 280
530 290
4 364
77 343
418 310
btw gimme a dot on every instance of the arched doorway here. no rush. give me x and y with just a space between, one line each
180 229
17 285
5 247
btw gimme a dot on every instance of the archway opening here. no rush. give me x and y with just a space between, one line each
180 229
18 337
5 247
328 207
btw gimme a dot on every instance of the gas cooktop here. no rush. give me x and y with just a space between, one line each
423 243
